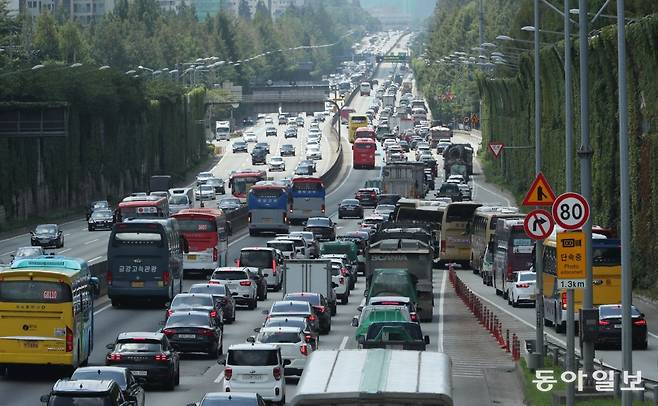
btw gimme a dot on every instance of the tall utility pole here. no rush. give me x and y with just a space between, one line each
585 154
568 141
539 247
481 38
625 201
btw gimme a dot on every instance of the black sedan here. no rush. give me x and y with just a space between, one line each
201 302
218 184
270 132
149 356
247 121
47 235
131 389
101 219
97 205
194 332
229 204
258 156
239 146
304 169
319 304
350 208
287 150
367 197
610 327
321 227
221 294
263 145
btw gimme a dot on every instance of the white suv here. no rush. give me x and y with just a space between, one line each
258 368
522 289
268 260
240 284
292 343
341 282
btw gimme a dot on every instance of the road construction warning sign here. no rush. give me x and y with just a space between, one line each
540 193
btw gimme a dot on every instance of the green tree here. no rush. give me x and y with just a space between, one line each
72 46
244 11
46 37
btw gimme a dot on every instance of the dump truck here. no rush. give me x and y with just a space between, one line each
458 160
406 179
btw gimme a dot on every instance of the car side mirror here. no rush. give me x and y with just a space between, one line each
641 314
359 308
427 340
355 322
44 398
286 362
265 312
221 360
334 285
251 339
257 330
110 346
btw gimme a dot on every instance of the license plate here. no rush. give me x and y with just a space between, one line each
191 257
186 336
139 373
532 297
617 325
253 377
30 344
137 284
307 211
267 220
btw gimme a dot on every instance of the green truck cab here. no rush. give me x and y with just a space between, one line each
392 282
375 314
395 335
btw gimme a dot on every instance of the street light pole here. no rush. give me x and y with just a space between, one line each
338 109
585 154
626 271
539 247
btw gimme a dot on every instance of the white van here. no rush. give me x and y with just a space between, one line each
222 130
268 260
180 198
286 247
255 367
365 89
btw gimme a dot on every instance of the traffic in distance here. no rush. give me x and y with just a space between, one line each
328 297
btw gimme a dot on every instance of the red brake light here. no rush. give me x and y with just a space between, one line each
604 323
114 357
312 317
413 316
564 300
245 283
168 332
343 271
640 322
522 285
308 338
215 254
204 332
237 262
166 277
213 314
69 340
169 312
321 309
273 267
276 372
162 357
228 373
108 277
304 349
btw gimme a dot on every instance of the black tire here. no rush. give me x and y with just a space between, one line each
171 384
514 302
90 228
116 303
253 304
252 233
344 300
644 345
547 322
334 310
177 376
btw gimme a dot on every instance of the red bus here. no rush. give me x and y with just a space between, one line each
363 153
240 182
143 207
205 230
365 132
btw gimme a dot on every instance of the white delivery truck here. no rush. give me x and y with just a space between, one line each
406 179
309 275
379 377
222 130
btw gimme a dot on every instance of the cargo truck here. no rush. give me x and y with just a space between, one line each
406 179
458 160
309 275
415 257
222 130
160 183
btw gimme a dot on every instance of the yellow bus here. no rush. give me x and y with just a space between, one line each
606 271
455 235
46 312
483 230
355 121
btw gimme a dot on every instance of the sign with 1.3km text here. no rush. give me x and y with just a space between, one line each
570 260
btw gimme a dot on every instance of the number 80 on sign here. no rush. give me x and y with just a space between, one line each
570 211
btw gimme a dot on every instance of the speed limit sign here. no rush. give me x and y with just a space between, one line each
570 211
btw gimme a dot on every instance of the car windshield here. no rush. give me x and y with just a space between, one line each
314 300
615 311
191 301
205 175
94 374
99 214
46 229
28 251
78 400
214 182
256 258
286 146
286 322
281 245
230 275
394 331
187 320
527 277
137 346
230 202
350 202
318 222
273 337
289 307
252 357
239 143
385 207
179 200
100 205
209 289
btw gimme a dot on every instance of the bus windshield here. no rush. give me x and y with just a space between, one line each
140 238
307 187
34 292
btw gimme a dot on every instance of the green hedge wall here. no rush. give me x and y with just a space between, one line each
508 116
121 131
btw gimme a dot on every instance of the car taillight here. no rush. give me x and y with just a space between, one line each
162 357
640 322
413 316
213 314
312 317
322 208
69 340
114 357
443 245
169 312
604 323
215 254
168 332
245 283
304 349
343 271
108 278
308 338
273 267
166 277
237 262
522 285
320 309
564 300
276 372
228 373
204 332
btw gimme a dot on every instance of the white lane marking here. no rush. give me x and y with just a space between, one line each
7 253
91 241
343 343
95 258
652 334
67 234
220 377
442 292
102 309
66 250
